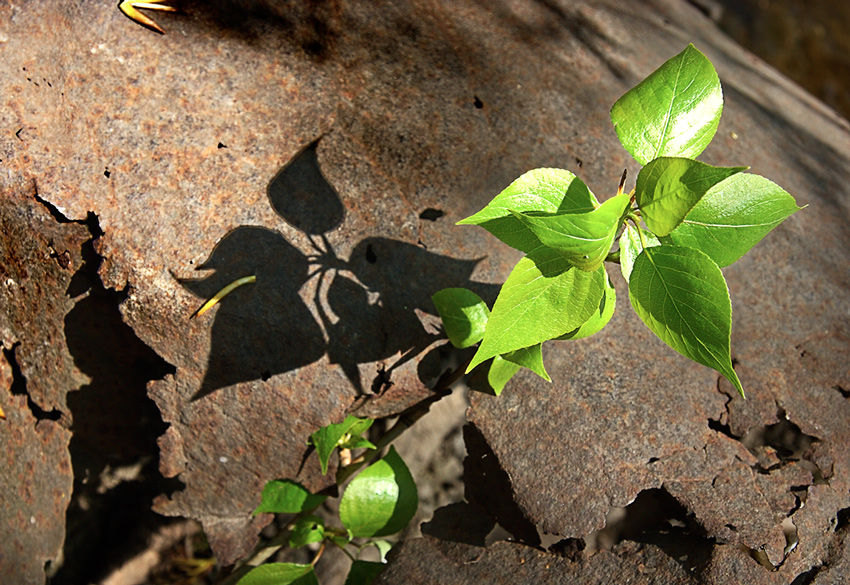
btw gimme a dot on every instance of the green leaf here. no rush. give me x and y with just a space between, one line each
464 315
668 188
531 358
280 574
630 248
363 572
383 548
500 373
381 500
681 295
307 529
544 190
673 112
584 239
339 540
328 438
357 443
284 496
599 319
544 297
733 217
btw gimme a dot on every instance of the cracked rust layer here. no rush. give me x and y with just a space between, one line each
309 145
38 257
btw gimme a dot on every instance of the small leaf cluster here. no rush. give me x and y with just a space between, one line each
671 235
380 501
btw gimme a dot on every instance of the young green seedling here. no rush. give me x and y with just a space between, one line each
683 221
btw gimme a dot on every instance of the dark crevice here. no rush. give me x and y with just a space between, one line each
807 577
113 447
54 212
19 386
786 438
844 392
842 524
569 548
723 429
489 486
432 214
371 257
842 519
656 517
382 381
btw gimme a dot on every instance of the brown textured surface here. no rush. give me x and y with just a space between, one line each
423 561
625 414
38 256
180 142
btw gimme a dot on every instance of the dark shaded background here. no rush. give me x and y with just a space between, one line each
807 40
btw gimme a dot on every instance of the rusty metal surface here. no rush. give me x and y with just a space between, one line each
186 145
37 259
423 561
625 414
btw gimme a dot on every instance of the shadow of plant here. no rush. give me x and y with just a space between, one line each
372 298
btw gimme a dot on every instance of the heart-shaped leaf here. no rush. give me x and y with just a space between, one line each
381 500
681 295
668 188
673 112
733 217
541 190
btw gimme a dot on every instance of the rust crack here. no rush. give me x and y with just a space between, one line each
19 388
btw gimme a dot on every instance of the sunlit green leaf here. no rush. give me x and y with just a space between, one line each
733 217
464 315
381 500
543 190
531 358
499 373
328 438
357 443
673 112
630 248
383 548
584 239
280 574
599 319
668 188
681 295
544 297
307 529
284 496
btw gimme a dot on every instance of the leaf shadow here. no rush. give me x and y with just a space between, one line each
367 313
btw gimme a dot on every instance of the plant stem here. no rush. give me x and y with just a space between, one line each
405 420
319 554
641 236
